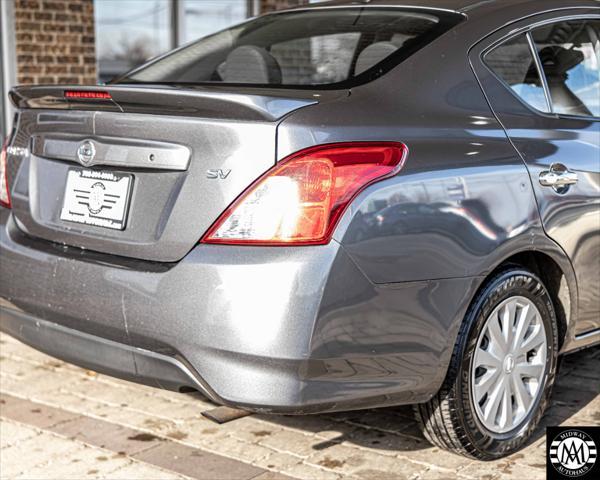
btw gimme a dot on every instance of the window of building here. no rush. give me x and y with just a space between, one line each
130 32
203 17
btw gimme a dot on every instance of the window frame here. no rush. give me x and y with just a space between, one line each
527 30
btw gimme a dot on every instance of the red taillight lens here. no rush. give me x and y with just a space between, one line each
4 192
300 200
87 94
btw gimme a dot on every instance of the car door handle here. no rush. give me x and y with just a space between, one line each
558 176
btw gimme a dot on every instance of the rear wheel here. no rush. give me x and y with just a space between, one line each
501 372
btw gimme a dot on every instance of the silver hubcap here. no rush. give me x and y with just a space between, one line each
508 365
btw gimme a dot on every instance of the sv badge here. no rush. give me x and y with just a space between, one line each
217 174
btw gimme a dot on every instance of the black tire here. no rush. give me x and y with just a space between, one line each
449 420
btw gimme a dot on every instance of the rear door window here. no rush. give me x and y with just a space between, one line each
513 62
328 47
554 68
569 53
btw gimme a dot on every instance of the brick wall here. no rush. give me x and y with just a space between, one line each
55 41
271 5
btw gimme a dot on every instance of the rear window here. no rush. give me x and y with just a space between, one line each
338 47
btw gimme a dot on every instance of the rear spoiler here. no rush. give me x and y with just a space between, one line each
249 104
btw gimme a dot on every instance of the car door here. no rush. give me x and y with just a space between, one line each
542 79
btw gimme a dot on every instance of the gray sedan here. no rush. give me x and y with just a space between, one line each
342 206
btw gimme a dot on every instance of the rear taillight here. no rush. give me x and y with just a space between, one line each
301 199
4 192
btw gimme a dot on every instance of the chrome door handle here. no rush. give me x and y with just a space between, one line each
558 177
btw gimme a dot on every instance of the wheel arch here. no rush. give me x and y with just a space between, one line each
552 266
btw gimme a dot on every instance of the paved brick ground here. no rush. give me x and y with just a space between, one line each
59 421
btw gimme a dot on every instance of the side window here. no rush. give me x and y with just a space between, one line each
569 53
514 63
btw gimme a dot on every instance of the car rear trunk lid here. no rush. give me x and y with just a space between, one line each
166 162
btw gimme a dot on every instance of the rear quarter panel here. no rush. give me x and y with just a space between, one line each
463 197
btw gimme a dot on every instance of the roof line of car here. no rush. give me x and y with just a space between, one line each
473 6
365 5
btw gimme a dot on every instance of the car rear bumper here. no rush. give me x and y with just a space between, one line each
286 330
99 354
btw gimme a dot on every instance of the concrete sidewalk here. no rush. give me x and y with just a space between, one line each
60 421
